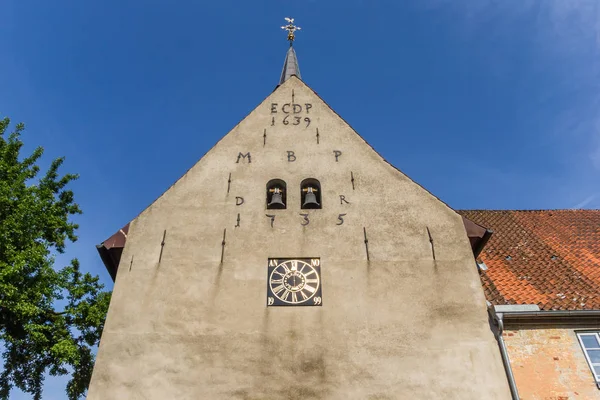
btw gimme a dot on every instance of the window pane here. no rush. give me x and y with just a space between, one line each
597 369
590 341
594 356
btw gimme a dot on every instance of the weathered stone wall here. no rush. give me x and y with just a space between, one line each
401 325
549 364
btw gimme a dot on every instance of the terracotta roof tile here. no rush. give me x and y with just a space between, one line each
546 257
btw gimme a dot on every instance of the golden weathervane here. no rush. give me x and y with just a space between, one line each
291 28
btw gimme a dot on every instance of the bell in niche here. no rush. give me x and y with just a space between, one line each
276 198
310 200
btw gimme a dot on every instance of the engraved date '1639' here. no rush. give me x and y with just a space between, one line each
291 114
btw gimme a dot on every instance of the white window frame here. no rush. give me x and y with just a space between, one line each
585 353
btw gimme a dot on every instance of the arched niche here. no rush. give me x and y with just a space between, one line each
276 194
310 194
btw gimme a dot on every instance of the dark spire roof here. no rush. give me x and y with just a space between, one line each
290 66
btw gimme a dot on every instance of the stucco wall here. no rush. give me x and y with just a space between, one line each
400 326
549 364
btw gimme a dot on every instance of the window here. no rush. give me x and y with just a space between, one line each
310 194
276 194
590 341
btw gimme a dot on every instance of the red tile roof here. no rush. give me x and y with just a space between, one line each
546 257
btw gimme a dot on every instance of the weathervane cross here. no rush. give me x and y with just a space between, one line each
290 28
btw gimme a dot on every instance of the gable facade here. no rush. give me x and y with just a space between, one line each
401 314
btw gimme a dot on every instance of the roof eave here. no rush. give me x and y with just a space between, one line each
554 318
107 261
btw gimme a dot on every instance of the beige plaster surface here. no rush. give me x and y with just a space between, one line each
400 326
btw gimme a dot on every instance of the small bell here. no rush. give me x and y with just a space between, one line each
276 200
310 200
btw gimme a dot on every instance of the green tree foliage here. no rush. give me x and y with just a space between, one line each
50 318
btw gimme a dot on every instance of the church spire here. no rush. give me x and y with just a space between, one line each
290 66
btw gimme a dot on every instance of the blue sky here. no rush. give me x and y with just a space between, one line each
487 104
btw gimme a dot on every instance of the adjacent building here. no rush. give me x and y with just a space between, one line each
540 271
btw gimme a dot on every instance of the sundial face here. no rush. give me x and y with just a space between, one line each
294 282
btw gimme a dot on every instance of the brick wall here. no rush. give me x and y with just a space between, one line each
549 364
